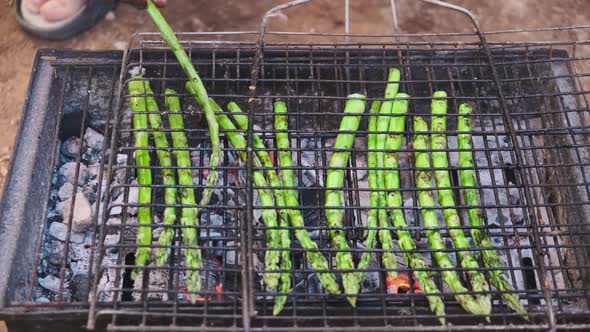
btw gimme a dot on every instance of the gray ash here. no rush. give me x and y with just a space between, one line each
75 196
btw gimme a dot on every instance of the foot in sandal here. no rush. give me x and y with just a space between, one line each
61 19
55 10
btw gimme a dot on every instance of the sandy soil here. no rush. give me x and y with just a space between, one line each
17 49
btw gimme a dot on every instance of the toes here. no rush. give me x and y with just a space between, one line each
57 10
34 5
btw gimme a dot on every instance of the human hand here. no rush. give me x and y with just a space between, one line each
142 3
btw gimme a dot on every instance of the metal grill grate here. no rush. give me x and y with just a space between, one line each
70 95
218 234
83 91
531 148
535 210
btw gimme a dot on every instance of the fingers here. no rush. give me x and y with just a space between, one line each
142 3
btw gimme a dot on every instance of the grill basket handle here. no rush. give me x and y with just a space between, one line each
275 10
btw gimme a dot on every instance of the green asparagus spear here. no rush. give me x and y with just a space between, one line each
144 174
168 177
242 120
426 200
334 181
447 201
284 232
263 156
215 144
371 234
394 202
197 89
388 256
269 214
189 216
491 259
285 278
315 257
279 195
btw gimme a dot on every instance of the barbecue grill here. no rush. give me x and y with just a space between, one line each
531 148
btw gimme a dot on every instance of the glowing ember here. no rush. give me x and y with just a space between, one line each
401 284
211 283
218 290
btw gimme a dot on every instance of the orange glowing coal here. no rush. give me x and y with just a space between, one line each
218 290
401 284
217 296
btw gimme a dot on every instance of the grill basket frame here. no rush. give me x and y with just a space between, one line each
259 56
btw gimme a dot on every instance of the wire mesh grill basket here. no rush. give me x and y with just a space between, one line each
530 137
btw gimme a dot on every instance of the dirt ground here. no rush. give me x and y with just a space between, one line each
17 49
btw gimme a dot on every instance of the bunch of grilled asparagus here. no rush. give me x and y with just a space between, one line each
279 198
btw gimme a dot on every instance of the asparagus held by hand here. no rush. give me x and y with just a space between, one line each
388 256
269 215
374 194
491 259
215 144
394 203
189 215
334 181
447 201
197 89
426 200
168 177
144 174
279 195
316 259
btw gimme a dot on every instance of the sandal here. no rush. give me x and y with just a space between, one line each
84 19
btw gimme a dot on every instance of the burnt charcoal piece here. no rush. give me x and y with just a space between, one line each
79 287
510 172
90 91
311 197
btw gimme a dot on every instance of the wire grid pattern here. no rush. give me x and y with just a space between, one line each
82 89
217 241
533 192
